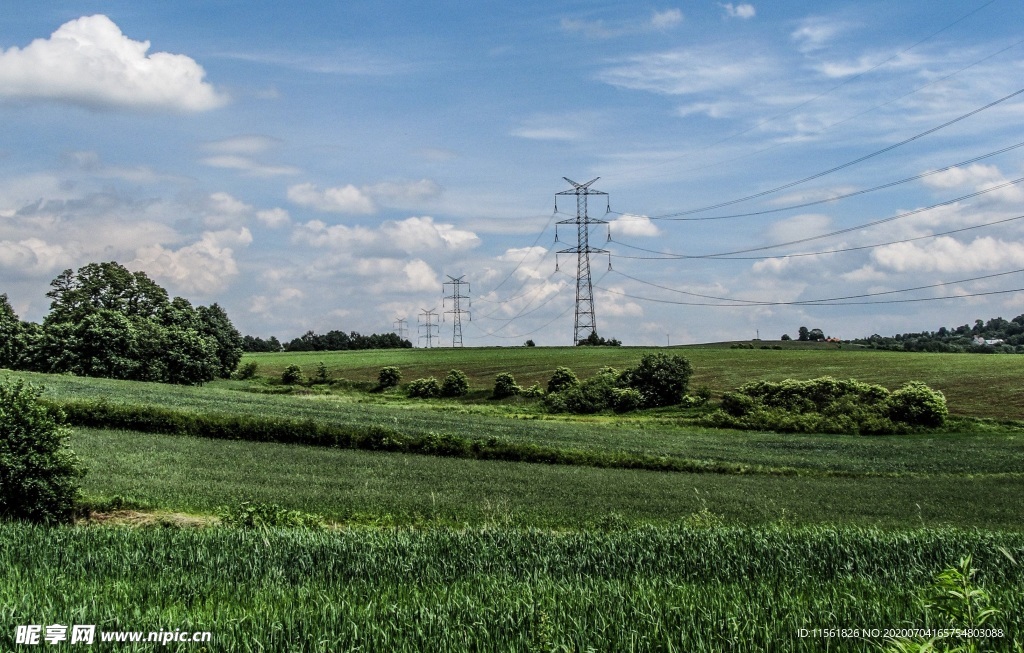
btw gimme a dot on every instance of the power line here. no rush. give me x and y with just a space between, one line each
833 233
843 166
828 301
836 198
824 252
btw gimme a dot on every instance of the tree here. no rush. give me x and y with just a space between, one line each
38 472
455 384
785 336
215 324
660 378
802 337
816 335
11 335
110 322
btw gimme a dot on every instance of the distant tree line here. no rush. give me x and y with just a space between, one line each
341 341
107 321
995 336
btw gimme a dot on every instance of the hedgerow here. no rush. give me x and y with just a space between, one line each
828 405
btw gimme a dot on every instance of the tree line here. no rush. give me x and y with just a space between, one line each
330 341
107 321
994 336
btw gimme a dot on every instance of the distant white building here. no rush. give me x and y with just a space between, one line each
978 340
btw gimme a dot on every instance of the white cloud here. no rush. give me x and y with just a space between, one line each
659 21
365 199
248 166
975 175
89 62
816 31
662 20
204 266
739 11
946 254
31 257
274 218
799 226
413 234
340 199
687 71
243 144
634 225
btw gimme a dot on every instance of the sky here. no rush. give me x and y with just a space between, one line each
326 165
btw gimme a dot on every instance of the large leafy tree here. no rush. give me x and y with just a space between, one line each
107 321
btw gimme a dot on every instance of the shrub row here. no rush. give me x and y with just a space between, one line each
157 419
659 380
828 405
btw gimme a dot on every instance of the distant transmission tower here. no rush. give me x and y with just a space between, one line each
457 309
427 322
400 327
586 320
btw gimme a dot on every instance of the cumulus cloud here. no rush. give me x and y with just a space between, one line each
634 225
89 62
31 257
975 175
739 11
410 235
204 266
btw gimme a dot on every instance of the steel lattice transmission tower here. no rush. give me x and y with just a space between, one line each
400 327
457 310
586 320
427 322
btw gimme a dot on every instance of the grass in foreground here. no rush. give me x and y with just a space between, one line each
674 589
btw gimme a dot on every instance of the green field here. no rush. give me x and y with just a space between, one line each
780 532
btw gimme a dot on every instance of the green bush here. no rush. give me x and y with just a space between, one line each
662 379
247 371
562 379
534 391
267 515
455 384
591 396
626 400
388 377
38 472
424 388
505 386
918 405
828 405
292 375
322 377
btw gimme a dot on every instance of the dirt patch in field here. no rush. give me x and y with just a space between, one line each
137 518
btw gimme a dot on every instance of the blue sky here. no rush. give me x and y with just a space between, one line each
325 165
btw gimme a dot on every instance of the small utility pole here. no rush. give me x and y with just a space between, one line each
427 323
457 311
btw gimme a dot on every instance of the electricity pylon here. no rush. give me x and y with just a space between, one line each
427 322
457 310
586 319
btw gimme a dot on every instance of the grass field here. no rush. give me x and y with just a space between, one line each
442 553
498 589
977 385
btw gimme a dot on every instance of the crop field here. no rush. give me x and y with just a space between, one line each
758 535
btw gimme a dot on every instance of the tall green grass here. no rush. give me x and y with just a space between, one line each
675 589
